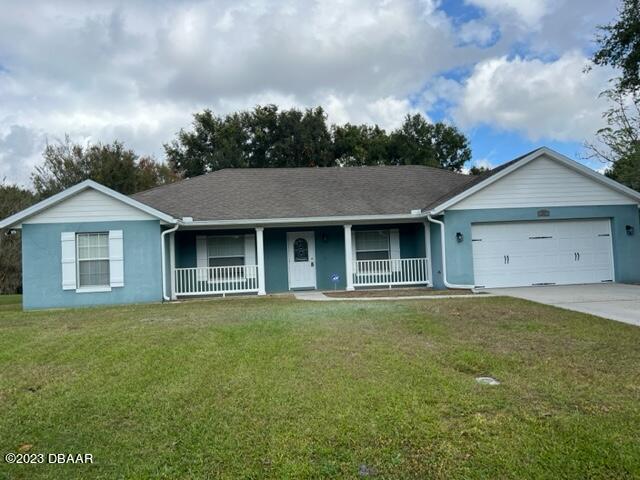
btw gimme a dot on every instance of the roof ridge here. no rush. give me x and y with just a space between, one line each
318 168
332 167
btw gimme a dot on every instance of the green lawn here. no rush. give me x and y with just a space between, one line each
279 388
10 300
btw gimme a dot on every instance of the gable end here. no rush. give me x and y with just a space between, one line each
543 181
88 206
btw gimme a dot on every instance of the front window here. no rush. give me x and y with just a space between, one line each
226 253
225 250
93 259
372 245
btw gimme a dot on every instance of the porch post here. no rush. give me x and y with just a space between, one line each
348 257
172 266
260 249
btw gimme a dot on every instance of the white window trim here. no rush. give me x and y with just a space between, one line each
244 258
358 250
91 288
96 289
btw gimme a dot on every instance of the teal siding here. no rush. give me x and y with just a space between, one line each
411 240
625 247
330 257
275 259
42 270
186 249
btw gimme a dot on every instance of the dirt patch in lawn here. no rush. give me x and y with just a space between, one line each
394 292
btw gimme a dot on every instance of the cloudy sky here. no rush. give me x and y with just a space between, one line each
510 73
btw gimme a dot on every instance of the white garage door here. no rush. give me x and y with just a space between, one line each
542 253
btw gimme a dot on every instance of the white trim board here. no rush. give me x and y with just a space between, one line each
16 219
632 196
316 221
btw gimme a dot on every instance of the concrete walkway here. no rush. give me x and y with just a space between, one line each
316 296
615 301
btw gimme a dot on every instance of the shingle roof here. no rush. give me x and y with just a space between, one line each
247 193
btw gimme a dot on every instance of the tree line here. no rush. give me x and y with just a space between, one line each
268 137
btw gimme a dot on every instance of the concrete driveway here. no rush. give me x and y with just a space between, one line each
614 301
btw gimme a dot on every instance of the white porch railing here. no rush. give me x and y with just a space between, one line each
397 271
216 280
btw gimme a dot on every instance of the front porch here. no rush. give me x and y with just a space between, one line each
264 260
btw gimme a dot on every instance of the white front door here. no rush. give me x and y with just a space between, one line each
514 254
301 254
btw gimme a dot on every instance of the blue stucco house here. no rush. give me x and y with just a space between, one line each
540 219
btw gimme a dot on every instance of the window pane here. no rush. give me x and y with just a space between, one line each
300 250
93 245
226 261
376 240
226 246
93 273
373 255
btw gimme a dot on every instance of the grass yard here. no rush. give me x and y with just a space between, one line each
278 388
9 302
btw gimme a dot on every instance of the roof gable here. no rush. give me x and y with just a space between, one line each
89 205
542 178
87 201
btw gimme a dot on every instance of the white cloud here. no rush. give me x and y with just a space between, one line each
478 32
546 27
18 147
555 100
137 71
527 12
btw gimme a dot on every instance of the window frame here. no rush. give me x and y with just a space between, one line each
92 288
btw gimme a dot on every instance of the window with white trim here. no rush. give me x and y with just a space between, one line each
372 245
92 259
225 251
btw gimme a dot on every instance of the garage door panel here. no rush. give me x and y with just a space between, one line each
543 252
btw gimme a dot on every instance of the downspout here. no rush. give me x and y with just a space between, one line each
164 268
444 258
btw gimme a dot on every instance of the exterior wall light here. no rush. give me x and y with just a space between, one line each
629 229
459 237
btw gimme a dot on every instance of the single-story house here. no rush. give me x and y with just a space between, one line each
537 220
